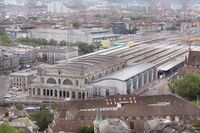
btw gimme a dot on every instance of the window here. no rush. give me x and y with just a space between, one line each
59 81
100 75
79 95
106 73
44 92
67 82
47 92
51 93
107 93
64 94
73 95
60 93
55 93
33 91
83 95
51 81
67 94
77 83
93 78
38 91
42 80
86 81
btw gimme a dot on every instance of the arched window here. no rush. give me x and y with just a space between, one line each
100 75
51 93
67 82
67 94
79 95
106 73
55 93
107 93
44 92
64 94
73 95
38 91
51 81
93 78
59 81
47 92
83 95
86 81
112 70
123 65
117 67
60 93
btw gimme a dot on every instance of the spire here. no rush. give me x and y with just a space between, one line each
98 118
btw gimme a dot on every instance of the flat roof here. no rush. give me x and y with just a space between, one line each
169 65
128 72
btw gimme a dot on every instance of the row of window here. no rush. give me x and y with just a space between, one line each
56 93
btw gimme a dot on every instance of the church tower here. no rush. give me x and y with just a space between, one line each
97 121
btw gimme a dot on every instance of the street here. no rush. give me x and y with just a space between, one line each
4 86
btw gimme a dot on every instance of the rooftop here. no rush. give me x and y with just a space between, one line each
128 72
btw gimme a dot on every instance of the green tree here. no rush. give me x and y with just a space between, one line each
5 39
54 106
63 43
84 48
85 129
5 128
197 125
52 42
187 87
19 106
43 118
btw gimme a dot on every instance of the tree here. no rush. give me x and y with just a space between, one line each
19 106
85 129
63 43
52 42
5 128
55 106
187 87
84 48
43 118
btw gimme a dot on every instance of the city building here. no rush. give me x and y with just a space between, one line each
128 108
72 79
129 79
192 63
52 54
164 125
110 125
8 62
22 79
74 35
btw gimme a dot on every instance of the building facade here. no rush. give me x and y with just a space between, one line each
22 79
72 79
51 54
8 62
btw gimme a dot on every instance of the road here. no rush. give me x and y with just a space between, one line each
159 87
4 86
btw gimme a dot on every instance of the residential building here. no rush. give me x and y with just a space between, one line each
164 125
128 108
